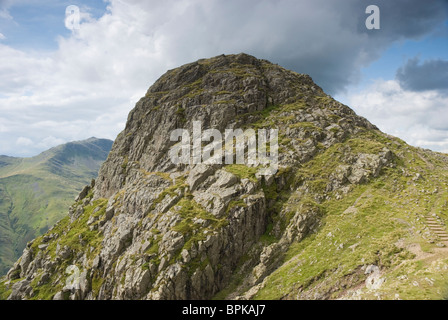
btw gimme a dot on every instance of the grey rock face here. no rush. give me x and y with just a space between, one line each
360 169
20 289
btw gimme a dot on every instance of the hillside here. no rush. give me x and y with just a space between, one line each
35 192
351 213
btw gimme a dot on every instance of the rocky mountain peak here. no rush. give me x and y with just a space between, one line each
227 91
150 228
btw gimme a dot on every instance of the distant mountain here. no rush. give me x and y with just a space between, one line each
35 192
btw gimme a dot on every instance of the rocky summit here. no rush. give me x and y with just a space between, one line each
351 212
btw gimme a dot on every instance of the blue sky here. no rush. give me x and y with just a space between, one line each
434 46
36 25
57 85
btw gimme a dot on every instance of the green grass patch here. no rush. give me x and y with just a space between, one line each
236 204
380 213
242 171
267 238
189 210
4 291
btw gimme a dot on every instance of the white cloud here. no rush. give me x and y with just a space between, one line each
22 141
2 36
4 14
49 142
90 83
419 118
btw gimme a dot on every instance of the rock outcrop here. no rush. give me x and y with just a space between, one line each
151 229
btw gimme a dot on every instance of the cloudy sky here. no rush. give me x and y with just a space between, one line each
60 83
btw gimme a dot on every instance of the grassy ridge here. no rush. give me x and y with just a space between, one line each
379 223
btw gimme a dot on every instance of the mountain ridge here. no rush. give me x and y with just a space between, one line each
35 190
343 218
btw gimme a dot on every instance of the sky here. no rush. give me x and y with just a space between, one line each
69 75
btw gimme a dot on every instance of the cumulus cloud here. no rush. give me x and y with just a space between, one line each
419 118
89 84
22 141
429 75
49 142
